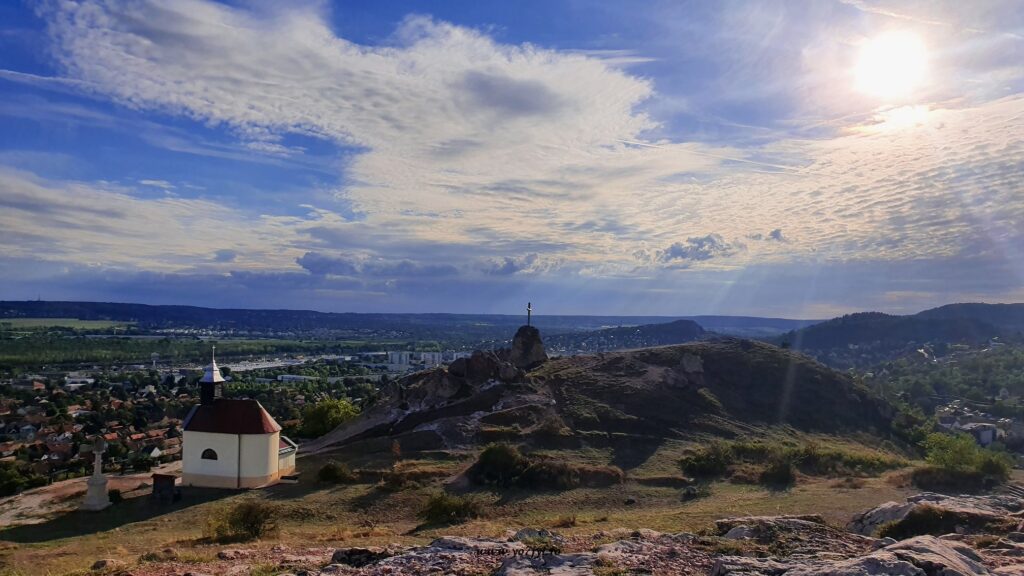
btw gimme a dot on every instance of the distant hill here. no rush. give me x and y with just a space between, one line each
1006 316
868 338
626 337
468 328
749 326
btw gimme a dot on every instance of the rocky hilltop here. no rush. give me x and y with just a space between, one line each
720 387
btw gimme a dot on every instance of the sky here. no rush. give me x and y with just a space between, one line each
776 158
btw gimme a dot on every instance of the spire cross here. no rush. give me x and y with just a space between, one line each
529 311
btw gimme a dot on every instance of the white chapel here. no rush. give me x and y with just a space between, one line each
229 443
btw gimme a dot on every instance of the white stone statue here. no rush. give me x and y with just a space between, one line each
96 498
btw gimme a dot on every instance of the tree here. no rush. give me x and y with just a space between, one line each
951 452
325 416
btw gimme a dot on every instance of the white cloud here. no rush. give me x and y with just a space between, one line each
508 160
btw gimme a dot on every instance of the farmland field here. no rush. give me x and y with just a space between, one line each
34 323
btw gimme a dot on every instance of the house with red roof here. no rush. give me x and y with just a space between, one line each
232 443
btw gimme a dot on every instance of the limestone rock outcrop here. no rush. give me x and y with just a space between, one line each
971 513
920 556
527 348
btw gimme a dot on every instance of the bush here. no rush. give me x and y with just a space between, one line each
253 518
503 465
247 520
957 462
549 474
335 472
115 496
326 415
949 452
450 509
780 470
711 460
498 465
995 464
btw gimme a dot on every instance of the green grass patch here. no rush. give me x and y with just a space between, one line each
776 462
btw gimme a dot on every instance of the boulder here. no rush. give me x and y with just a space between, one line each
920 556
359 557
476 545
754 526
969 513
561 564
106 564
527 349
868 522
740 533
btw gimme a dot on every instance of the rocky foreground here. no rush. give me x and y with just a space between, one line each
984 538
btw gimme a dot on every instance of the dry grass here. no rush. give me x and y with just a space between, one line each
359 515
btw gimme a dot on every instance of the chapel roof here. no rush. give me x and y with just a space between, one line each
231 416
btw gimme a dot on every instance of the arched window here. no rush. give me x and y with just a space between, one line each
209 454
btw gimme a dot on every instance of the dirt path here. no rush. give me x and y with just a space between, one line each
41 504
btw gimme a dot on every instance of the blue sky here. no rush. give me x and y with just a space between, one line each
592 157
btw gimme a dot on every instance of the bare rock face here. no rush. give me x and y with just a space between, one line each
920 556
975 513
527 348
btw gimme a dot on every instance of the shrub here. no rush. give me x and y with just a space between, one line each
326 415
995 464
450 509
503 465
335 472
941 479
498 465
115 496
711 460
247 520
957 462
780 469
549 474
949 452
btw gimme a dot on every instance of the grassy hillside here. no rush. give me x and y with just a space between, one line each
723 386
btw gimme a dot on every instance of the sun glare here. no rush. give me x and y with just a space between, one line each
892 65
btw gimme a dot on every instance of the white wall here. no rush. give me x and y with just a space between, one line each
286 464
194 467
259 455
259 460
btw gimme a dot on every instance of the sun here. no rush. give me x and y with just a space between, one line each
891 65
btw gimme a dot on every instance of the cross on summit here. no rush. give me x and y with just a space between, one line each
529 310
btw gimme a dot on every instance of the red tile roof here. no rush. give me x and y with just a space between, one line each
228 416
